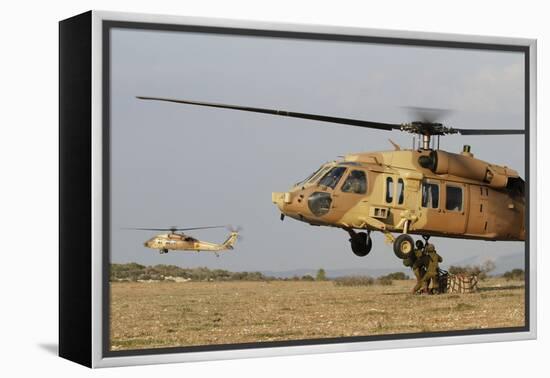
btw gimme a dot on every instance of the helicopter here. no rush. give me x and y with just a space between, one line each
178 241
422 191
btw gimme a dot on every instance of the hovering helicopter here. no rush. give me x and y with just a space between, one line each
175 241
422 191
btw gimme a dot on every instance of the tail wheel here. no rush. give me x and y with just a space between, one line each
361 244
403 246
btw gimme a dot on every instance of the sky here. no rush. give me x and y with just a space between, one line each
193 166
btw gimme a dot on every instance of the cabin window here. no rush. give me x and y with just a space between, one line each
389 189
400 191
430 195
355 183
332 177
454 198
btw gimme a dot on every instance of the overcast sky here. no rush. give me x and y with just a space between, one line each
193 166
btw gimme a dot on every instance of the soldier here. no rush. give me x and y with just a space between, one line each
432 269
419 267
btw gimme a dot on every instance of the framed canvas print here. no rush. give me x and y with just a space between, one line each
233 189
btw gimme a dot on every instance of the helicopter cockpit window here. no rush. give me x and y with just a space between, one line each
332 177
400 191
310 178
454 198
315 177
430 195
389 189
355 183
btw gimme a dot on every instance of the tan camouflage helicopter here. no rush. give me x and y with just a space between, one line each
423 191
178 241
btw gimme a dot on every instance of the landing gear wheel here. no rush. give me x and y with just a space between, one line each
361 243
403 246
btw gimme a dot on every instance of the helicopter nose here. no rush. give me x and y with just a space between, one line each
278 199
286 203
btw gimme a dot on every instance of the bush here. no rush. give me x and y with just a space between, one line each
395 276
133 272
514 275
384 281
321 275
354 281
307 277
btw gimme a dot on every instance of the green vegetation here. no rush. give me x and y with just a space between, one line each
321 275
394 276
135 272
354 281
384 281
514 275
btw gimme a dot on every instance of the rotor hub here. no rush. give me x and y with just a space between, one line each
427 128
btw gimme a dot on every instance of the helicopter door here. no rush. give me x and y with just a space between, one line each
454 208
350 194
477 217
431 207
324 201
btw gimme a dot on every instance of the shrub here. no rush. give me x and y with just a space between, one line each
395 276
321 275
514 275
384 281
354 281
133 272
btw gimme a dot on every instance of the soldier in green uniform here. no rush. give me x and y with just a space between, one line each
417 265
432 269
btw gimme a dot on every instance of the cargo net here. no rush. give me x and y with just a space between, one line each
458 283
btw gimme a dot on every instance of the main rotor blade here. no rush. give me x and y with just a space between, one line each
284 113
172 228
489 131
197 228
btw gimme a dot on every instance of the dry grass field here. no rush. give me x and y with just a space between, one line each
167 314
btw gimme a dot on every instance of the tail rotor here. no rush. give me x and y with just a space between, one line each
235 230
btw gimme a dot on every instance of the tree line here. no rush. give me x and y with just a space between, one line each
134 272
137 272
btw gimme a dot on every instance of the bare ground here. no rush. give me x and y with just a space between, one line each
167 314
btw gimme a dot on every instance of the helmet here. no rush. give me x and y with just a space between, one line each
419 244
